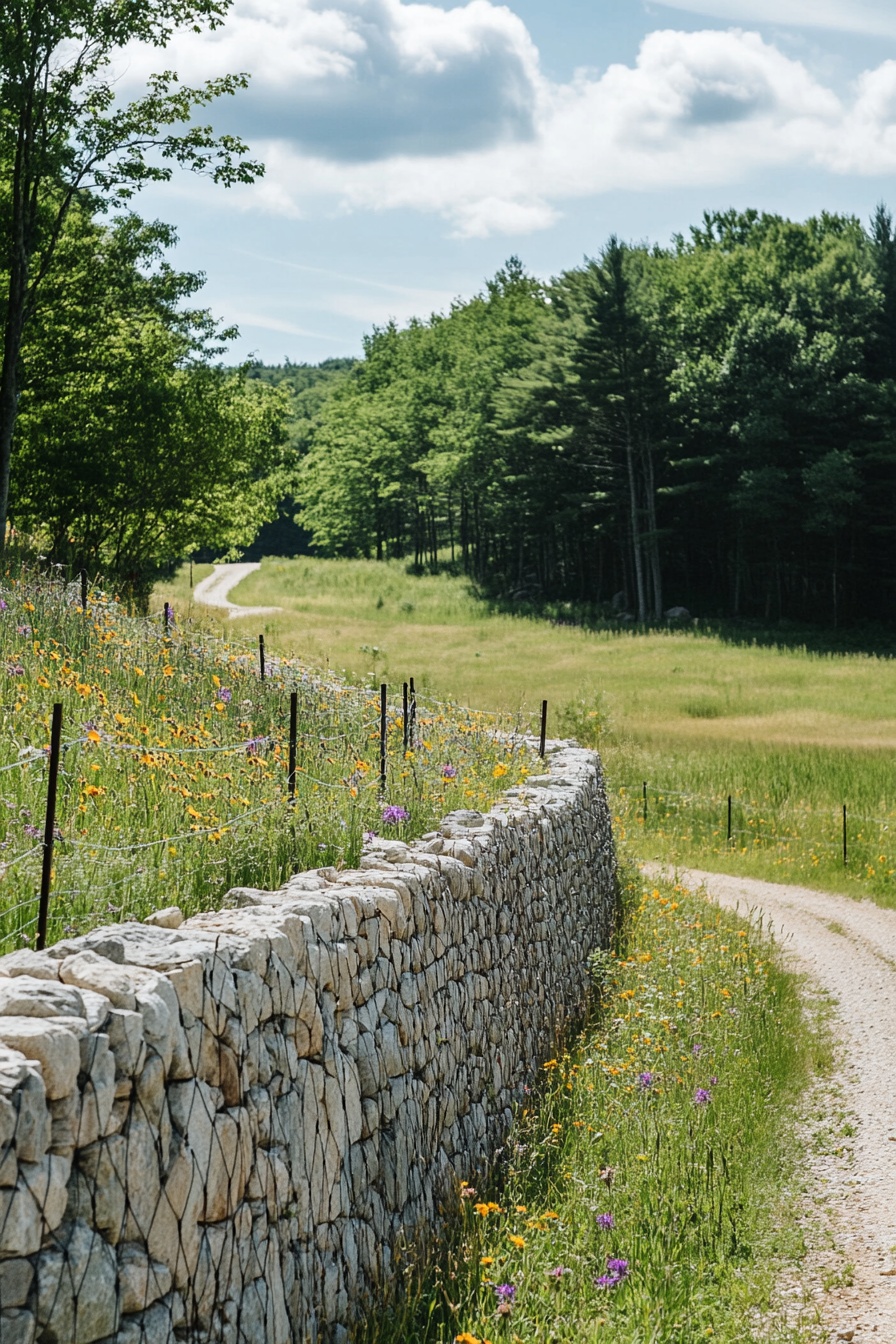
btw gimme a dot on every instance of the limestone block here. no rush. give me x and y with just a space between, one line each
39 965
230 1161
77 1298
158 1006
33 1122
18 1326
97 1083
47 1183
171 917
143 1176
174 1237
29 996
141 1280
16 1279
187 982
21 1224
125 1032
52 1045
97 973
98 1187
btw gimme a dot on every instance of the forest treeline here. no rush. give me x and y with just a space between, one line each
711 424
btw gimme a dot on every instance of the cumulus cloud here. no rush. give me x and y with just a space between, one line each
382 105
368 78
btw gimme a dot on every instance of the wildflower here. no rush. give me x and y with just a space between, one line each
518 1242
617 1271
487 1260
605 1222
368 836
558 1271
702 1096
467 1192
32 831
697 1048
255 746
225 695
449 771
3 606
24 630
393 815
506 1295
499 770
713 1082
606 1175
15 670
645 1081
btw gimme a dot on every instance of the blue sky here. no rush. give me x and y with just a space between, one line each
411 148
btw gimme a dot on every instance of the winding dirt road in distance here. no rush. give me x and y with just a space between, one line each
212 591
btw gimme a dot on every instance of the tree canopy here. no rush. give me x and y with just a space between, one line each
711 424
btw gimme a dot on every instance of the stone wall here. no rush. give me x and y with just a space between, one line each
220 1130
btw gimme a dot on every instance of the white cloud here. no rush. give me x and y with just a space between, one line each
874 17
373 114
365 78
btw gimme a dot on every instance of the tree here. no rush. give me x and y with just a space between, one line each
64 138
133 450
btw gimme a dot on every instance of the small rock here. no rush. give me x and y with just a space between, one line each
26 962
170 918
28 996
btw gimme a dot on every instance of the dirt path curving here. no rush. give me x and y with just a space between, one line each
212 591
848 948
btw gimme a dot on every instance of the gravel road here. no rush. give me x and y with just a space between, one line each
212 591
848 948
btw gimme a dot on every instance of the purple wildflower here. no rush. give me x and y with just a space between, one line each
3 606
393 815
506 1293
645 1081
702 1097
255 746
15 670
605 1222
23 630
368 836
713 1082
33 831
225 695
697 1048
558 1271
617 1270
449 771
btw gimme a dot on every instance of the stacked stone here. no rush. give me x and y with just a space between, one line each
223 1130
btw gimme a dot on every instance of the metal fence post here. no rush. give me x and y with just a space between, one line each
49 828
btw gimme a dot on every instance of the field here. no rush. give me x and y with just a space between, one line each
174 774
648 1194
791 735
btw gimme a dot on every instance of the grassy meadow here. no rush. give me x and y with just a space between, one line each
791 735
173 780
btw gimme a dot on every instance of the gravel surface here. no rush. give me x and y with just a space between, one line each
212 591
848 948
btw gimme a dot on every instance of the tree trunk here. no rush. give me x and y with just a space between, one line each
637 550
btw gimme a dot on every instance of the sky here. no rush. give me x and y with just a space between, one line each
411 148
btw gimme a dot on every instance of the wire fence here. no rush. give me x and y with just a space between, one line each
114 850
861 842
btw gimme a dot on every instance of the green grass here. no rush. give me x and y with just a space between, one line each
173 784
674 1113
792 735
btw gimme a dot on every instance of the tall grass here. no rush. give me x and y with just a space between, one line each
643 1198
786 811
174 784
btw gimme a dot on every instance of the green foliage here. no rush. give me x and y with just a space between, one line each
68 140
133 449
709 425
674 1115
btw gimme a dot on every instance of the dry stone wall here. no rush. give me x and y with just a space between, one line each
221 1130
